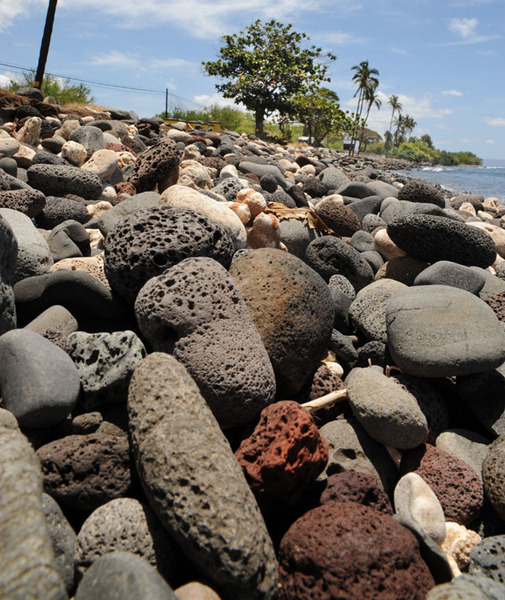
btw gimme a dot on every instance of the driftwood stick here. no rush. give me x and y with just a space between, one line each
324 401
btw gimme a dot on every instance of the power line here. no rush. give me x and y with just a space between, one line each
102 84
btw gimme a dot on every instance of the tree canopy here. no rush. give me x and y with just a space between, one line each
63 91
266 66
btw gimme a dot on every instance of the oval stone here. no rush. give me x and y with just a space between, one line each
442 331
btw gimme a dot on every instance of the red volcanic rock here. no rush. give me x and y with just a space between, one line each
284 453
348 551
455 483
125 187
352 486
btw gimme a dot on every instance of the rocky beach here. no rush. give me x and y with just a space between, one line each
242 370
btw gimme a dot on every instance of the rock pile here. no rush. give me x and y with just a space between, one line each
173 306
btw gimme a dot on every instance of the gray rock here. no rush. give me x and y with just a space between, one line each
492 284
467 587
297 235
333 177
247 166
331 256
267 278
63 540
365 206
145 244
487 558
229 188
440 331
352 449
387 412
122 575
58 180
106 362
402 208
33 256
68 239
368 313
39 383
195 311
370 221
90 137
127 525
383 189
8 260
157 166
467 445
343 347
181 469
107 220
431 238
340 282
374 259
355 189
58 210
421 192
493 477
445 272
362 241
26 545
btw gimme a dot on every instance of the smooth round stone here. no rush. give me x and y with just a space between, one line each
90 137
195 311
127 525
181 456
63 540
362 241
493 284
365 206
466 445
195 590
355 189
333 178
9 146
354 552
383 189
442 331
26 545
431 238
104 163
296 235
330 255
39 382
33 254
280 290
388 413
368 312
445 272
247 166
122 575
68 240
493 475
415 499
8 259
487 558
400 208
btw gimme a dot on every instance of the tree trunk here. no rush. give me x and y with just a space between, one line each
260 116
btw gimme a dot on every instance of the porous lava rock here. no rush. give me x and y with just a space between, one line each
125 524
456 485
157 165
28 201
283 455
432 239
493 475
58 180
341 219
195 311
85 471
330 255
183 459
292 309
148 242
106 362
347 550
487 558
57 210
314 187
420 191
497 303
440 331
353 486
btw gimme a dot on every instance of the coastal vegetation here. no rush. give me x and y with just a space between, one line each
62 90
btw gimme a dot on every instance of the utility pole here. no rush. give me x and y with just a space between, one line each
46 40
166 103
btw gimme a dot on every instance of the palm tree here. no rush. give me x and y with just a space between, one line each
396 108
366 79
409 124
371 98
399 134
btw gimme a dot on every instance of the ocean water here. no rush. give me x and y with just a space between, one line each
488 179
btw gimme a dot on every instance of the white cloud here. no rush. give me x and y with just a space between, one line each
115 58
10 10
7 76
464 27
339 38
397 50
211 99
490 141
495 121
452 93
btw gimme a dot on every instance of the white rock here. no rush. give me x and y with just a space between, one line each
102 162
30 132
385 246
230 170
108 194
469 208
180 195
193 174
67 127
497 233
24 156
191 152
125 158
308 170
74 153
414 498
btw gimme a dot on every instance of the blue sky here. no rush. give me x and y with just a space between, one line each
443 58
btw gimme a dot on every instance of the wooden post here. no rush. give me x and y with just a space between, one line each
44 47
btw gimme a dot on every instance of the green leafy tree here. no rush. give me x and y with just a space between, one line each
265 66
426 140
321 114
63 91
367 81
